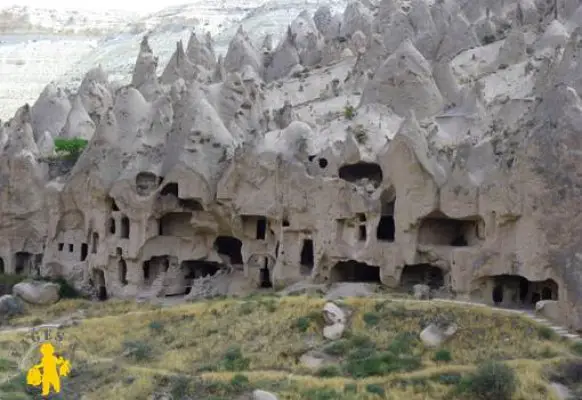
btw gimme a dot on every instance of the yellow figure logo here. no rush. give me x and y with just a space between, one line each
50 376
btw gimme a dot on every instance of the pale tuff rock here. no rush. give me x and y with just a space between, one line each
356 18
49 112
513 49
145 77
179 67
267 43
327 24
241 51
94 94
457 170
307 39
404 82
201 53
284 58
79 123
555 35
527 12
39 293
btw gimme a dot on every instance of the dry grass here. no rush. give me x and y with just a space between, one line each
188 343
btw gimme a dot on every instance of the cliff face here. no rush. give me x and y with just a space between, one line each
401 142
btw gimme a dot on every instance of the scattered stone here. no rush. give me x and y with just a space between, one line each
10 306
436 334
263 395
421 291
37 292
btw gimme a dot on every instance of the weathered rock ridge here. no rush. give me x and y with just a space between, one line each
401 143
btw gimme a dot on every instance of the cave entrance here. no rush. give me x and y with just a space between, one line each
2 268
122 270
260 225
125 227
440 230
95 242
231 247
354 271
307 257
425 274
265 275
196 269
170 188
146 183
175 224
84 251
153 267
361 171
23 262
386 227
517 291
99 282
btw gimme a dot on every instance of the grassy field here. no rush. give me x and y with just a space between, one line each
222 349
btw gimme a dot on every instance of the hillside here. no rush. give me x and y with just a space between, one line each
224 349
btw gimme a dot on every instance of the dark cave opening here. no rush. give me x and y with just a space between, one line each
231 247
354 271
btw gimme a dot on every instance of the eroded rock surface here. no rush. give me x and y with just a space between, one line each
402 143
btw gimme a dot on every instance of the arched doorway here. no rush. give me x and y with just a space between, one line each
99 282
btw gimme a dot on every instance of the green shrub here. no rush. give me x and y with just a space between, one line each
577 348
240 382
375 389
491 381
329 371
321 394
371 319
138 350
180 387
70 148
156 326
66 290
349 112
442 355
233 360
546 333
350 388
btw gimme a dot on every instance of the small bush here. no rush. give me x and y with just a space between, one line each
577 348
349 112
546 333
233 360
156 326
246 308
180 387
329 371
321 394
138 350
66 290
7 365
371 319
240 382
442 355
491 381
350 388
375 389
70 148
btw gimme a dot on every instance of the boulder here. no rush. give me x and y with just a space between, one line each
436 334
10 306
334 332
333 314
263 395
40 293
421 292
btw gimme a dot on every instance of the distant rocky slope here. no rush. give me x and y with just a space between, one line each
403 142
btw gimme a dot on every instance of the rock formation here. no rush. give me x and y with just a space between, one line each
403 143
